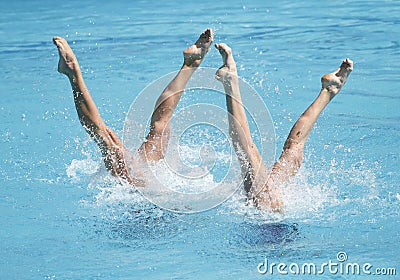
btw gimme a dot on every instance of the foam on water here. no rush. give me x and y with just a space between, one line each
81 167
321 192
314 198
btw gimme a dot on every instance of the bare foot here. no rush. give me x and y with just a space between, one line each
194 54
334 81
228 69
68 64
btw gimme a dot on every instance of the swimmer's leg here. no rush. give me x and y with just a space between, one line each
292 154
157 139
110 145
254 172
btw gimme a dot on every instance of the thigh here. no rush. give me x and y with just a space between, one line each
254 172
113 152
154 148
289 162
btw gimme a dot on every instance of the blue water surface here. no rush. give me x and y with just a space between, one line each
63 218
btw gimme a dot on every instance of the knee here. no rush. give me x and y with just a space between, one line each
160 127
293 155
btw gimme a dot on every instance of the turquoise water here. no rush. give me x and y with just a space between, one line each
63 218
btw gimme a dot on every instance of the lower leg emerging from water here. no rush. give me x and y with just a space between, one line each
294 145
110 145
254 173
157 139
290 160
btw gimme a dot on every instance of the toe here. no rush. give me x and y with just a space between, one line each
347 64
350 63
225 48
57 41
210 34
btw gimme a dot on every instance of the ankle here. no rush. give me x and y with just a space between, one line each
189 67
188 64
329 92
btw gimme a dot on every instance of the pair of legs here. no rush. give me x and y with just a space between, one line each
110 145
261 185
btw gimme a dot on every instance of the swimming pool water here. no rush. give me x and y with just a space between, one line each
62 217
